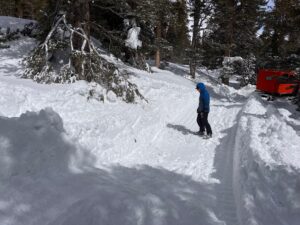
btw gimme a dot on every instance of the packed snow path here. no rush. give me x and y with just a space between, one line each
69 161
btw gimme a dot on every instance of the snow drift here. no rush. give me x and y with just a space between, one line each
267 182
48 180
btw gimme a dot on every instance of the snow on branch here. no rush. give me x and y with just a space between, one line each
72 57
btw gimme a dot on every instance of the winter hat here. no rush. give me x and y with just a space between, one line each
200 86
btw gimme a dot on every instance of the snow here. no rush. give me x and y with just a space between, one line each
13 23
268 149
230 60
132 40
69 159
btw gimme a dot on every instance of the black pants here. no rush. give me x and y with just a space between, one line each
203 122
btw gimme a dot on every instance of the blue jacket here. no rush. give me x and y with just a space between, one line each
204 99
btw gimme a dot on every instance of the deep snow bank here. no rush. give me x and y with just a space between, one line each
267 167
32 144
48 179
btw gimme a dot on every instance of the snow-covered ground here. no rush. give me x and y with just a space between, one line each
66 160
13 23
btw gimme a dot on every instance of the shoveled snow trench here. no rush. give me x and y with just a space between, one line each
224 161
68 161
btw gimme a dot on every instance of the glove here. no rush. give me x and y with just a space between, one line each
202 114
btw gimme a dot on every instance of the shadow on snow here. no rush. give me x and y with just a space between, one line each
47 179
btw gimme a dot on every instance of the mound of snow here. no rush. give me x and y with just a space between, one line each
267 167
13 23
254 107
31 144
41 186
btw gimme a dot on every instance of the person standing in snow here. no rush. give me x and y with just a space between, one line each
203 111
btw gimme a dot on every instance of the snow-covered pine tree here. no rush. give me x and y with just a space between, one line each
248 74
231 66
243 69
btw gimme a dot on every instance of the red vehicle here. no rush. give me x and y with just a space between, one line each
276 82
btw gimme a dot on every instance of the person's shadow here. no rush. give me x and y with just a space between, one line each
181 129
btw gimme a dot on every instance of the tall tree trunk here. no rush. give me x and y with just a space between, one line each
80 17
19 8
158 37
195 39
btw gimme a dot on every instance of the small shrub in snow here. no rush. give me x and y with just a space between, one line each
95 91
6 34
231 66
243 68
31 30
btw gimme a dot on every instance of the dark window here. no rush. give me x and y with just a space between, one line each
269 78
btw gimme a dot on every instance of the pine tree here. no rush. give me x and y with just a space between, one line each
250 14
158 14
248 74
280 39
178 33
231 66
201 10
22 8
7 8
234 26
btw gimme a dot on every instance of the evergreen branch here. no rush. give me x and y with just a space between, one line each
111 10
106 33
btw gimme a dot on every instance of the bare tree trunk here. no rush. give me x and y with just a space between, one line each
158 37
195 39
19 8
193 68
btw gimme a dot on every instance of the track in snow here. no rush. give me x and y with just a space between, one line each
225 204
224 164
224 118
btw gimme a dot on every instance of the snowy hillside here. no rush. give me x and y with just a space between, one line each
67 160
